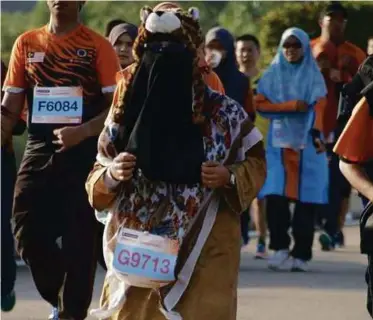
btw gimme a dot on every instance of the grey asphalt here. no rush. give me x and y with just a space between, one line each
333 289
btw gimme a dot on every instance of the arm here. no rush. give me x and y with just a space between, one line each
319 114
250 175
264 105
100 188
11 108
14 92
356 175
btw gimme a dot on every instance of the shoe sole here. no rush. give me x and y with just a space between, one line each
273 268
298 270
260 257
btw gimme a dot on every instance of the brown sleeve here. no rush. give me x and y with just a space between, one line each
250 176
319 112
264 105
99 195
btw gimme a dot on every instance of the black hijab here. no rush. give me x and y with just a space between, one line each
158 127
235 83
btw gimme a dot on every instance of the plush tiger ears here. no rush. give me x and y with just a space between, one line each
194 12
144 13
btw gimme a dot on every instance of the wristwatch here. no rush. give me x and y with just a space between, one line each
232 180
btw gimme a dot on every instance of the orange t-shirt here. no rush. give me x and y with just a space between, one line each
82 58
346 58
356 141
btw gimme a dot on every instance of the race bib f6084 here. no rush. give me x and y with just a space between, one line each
57 105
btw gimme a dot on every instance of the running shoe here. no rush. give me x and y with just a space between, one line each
339 239
278 260
54 315
8 302
299 265
261 252
326 242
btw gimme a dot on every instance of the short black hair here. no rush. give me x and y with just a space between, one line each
249 37
111 24
334 7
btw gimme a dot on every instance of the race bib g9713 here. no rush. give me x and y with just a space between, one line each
145 260
57 105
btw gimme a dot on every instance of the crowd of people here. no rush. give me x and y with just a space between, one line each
150 148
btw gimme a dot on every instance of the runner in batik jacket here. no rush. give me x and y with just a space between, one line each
212 154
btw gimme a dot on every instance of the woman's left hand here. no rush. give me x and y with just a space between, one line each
317 142
214 175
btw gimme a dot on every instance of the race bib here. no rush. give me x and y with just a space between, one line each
290 133
60 105
145 260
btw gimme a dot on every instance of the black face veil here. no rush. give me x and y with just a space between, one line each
158 126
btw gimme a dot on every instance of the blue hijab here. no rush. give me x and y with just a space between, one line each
284 81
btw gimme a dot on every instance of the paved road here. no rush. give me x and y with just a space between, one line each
333 289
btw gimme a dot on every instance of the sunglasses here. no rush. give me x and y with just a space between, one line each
294 45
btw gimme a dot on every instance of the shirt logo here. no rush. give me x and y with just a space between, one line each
33 57
81 53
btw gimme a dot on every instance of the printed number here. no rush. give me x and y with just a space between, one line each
135 260
155 261
74 106
58 106
166 266
146 259
124 257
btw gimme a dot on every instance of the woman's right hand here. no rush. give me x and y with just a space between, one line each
301 106
123 166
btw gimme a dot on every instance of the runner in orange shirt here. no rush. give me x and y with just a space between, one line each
67 72
339 61
355 149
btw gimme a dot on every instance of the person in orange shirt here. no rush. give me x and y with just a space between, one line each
67 72
355 149
339 61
